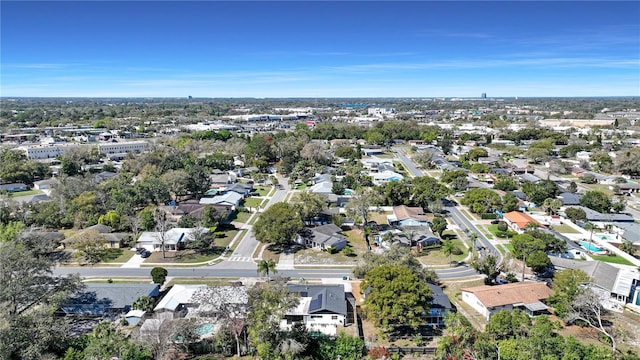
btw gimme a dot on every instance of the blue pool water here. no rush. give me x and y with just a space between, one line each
590 247
206 329
603 237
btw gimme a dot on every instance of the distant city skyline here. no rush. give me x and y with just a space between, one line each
319 49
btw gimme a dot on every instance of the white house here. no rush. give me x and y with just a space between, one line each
527 296
322 308
386 176
174 239
231 199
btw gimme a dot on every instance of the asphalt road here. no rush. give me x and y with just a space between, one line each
204 272
408 163
248 243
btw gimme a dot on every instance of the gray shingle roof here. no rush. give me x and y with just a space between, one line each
593 215
324 298
98 297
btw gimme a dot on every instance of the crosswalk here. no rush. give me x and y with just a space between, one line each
240 258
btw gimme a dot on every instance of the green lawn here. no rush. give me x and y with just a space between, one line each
612 259
494 230
253 202
435 255
301 187
386 156
117 255
242 217
263 190
379 218
26 193
598 187
356 239
564 229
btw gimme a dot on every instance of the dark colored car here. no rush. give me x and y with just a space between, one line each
140 250
145 254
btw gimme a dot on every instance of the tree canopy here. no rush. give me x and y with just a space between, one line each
396 296
279 224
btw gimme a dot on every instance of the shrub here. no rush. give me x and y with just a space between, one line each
332 250
378 352
456 251
159 274
487 216
502 226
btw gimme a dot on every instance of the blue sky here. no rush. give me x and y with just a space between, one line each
319 49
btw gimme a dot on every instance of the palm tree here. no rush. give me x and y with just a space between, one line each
266 267
590 226
447 248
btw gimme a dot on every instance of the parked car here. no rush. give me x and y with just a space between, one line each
140 250
145 254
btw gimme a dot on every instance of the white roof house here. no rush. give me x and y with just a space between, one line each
151 240
231 198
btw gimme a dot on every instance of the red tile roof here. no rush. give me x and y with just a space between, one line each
521 219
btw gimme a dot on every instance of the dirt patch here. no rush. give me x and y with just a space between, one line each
318 257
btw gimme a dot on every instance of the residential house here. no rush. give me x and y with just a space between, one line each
221 179
488 160
112 300
601 219
616 286
231 200
626 187
194 209
518 221
47 184
114 240
439 306
174 239
180 302
380 178
527 296
14 187
103 176
627 231
323 237
240 188
529 177
322 308
569 198
323 187
408 216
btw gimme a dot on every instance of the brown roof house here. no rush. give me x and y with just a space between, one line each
527 296
408 216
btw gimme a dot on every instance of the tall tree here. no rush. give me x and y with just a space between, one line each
567 285
267 267
279 224
309 205
489 266
268 303
587 307
396 296
360 204
438 225
228 305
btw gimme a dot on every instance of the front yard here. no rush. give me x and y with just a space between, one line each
190 256
436 256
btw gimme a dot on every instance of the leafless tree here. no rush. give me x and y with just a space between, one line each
228 305
587 307
162 227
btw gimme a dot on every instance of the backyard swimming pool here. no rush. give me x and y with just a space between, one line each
206 329
603 237
590 247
